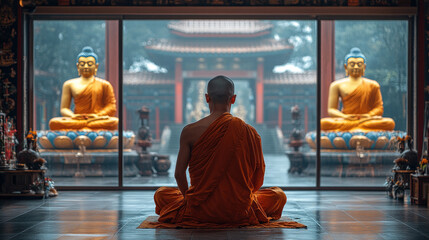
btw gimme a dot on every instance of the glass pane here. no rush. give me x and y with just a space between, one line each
74 112
371 91
167 65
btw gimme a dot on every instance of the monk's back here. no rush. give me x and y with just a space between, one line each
226 168
196 129
223 156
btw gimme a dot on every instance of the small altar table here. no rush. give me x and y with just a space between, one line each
17 183
419 189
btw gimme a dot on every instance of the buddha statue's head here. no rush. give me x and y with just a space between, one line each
87 62
355 63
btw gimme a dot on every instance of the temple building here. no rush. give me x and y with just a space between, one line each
360 180
197 50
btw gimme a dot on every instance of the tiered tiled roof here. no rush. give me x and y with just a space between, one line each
287 78
291 78
147 78
219 48
220 28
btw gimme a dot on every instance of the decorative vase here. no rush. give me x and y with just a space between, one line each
144 164
162 164
411 155
27 156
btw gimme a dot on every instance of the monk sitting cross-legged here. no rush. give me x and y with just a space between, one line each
226 169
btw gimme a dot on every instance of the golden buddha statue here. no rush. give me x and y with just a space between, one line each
94 99
361 98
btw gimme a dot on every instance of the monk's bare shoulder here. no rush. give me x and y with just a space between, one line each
188 128
192 132
247 127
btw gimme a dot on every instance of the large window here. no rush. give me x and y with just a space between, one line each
165 67
367 158
76 156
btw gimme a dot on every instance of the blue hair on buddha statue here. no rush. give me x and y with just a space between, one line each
355 53
87 52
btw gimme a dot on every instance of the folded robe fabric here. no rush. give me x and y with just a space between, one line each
226 171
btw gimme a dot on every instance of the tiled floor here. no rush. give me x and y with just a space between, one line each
116 215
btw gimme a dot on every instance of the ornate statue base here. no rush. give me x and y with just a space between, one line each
344 163
375 140
339 153
95 163
100 157
103 139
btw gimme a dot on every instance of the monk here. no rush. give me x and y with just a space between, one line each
226 169
361 98
94 99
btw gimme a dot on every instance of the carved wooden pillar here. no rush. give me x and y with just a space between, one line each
260 92
112 56
280 116
306 119
327 58
178 96
157 133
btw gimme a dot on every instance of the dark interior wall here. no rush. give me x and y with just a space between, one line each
11 29
8 57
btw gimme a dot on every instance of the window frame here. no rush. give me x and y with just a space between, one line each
318 14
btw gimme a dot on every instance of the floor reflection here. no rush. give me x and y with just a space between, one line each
276 174
117 214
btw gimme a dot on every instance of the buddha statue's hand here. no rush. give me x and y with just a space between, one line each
92 115
367 117
351 117
84 116
92 119
78 117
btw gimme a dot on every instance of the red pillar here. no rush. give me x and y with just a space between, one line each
157 123
124 116
327 58
306 119
178 97
260 92
112 56
280 117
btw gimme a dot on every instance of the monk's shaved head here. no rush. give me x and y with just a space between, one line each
220 89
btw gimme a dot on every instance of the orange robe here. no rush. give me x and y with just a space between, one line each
365 99
98 98
226 171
